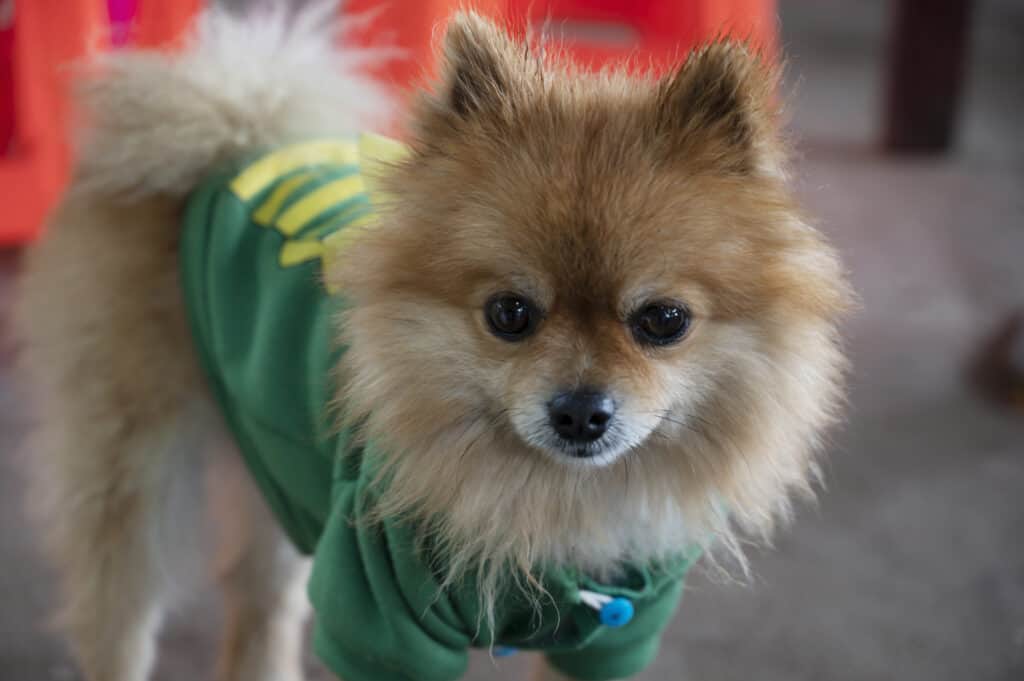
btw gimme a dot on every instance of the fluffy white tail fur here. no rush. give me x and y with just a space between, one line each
156 122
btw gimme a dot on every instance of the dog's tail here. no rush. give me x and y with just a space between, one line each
155 123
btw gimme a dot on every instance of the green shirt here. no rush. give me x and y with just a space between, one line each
251 257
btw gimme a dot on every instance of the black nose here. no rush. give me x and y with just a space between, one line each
581 415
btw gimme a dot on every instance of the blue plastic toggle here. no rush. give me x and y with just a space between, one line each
617 612
504 651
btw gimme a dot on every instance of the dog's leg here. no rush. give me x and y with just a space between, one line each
263 579
113 489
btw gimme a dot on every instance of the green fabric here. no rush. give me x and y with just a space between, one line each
262 332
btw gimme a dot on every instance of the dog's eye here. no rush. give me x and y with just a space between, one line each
510 316
660 323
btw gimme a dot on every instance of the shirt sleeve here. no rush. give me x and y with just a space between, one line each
378 613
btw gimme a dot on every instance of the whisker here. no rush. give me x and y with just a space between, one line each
403 320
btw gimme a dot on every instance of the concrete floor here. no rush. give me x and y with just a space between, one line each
911 567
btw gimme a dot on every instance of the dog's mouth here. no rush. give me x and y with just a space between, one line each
590 454
604 451
613 439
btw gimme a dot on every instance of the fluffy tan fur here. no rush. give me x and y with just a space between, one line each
127 439
590 193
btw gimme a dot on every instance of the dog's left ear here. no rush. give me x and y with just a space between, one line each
481 64
719 109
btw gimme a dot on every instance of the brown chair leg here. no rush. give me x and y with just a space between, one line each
998 367
928 52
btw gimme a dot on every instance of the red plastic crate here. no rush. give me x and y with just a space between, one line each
595 32
45 39
47 35
656 33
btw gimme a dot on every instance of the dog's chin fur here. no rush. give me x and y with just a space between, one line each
590 193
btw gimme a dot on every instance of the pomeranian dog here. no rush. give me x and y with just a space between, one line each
503 383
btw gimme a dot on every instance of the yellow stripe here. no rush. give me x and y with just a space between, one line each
336 241
377 155
298 252
381 148
361 221
264 215
316 202
267 170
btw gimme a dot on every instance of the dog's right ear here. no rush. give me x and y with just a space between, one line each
719 107
478 69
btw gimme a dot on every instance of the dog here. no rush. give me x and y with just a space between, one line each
577 334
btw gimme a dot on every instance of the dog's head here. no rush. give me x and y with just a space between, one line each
592 304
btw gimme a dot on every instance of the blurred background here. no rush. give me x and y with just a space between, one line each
910 141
